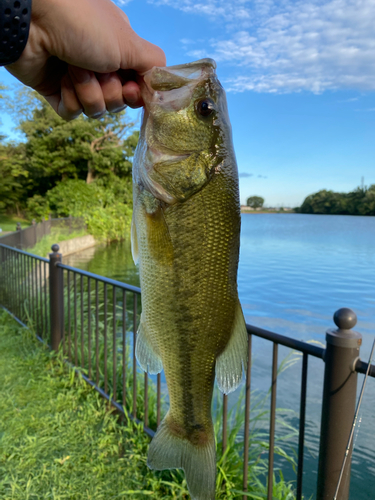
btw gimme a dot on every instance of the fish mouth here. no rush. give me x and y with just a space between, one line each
157 83
175 77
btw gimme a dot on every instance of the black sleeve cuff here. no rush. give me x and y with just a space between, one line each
15 16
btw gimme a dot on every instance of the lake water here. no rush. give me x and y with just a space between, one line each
295 271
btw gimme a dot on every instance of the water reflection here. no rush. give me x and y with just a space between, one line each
113 261
294 272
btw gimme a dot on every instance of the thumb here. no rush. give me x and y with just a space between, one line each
140 55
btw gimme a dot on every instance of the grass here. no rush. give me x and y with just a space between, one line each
58 234
9 222
59 440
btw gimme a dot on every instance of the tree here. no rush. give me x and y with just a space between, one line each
361 201
83 149
255 202
13 176
368 202
324 202
2 87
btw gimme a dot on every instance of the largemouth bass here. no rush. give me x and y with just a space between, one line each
185 236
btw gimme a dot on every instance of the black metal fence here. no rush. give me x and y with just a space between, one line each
30 236
95 320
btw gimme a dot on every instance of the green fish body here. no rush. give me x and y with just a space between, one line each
185 236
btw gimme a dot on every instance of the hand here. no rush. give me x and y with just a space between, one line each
82 55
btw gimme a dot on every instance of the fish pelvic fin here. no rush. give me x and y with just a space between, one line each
231 362
168 450
146 354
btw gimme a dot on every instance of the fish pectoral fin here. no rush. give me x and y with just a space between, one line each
168 450
160 246
147 356
134 240
233 359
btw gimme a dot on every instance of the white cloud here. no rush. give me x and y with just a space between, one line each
289 46
122 3
232 10
351 99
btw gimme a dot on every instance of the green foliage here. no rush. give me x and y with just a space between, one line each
361 201
13 176
255 202
68 168
82 148
106 208
72 197
109 223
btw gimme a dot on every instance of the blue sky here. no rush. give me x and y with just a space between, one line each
300 81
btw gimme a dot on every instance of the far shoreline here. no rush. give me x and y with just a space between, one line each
298 213
246 210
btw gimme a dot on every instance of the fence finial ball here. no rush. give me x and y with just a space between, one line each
345 318
55 248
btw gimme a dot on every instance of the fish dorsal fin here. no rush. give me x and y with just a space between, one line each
134 241
146 354
233 359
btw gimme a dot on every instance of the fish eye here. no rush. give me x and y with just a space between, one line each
205 107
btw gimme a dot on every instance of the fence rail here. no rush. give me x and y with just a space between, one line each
95 320
30 236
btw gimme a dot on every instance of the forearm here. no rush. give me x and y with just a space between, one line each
75 53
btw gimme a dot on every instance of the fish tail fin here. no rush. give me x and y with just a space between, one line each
171 451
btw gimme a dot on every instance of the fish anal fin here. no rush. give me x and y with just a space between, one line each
231 362
171 451
147 356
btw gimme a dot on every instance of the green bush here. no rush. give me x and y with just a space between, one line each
361 201
37 208
109 223
105 206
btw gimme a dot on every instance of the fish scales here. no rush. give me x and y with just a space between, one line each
188 256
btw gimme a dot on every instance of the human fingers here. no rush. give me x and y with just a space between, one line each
131 91
88 91
111 87
69 106
65 101
132 94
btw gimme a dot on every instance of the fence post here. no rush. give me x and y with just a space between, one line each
33 223
49 223
339 398
19 233
56 298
